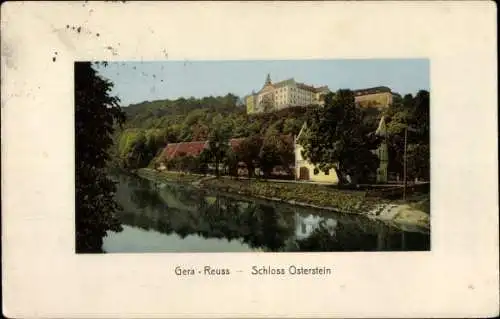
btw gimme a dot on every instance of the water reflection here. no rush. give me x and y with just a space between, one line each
213 221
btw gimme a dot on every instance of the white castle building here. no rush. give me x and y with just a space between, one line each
287 93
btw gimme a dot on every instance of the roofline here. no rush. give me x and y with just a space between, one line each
385 88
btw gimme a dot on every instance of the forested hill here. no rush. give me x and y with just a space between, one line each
190 119
158 113
152 125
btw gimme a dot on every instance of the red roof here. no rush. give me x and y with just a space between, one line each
173 150
188 148
192 148
169 151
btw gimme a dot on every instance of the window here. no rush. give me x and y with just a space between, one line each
327 172
316 171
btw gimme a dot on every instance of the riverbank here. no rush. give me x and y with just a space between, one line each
318 196
166 176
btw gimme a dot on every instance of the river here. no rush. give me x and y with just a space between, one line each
175 218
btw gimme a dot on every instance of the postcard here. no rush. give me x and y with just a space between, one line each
249 159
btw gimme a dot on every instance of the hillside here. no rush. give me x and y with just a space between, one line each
151 125
157 123
165 112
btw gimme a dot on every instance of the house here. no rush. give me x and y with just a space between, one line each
194 149
173 150
305 170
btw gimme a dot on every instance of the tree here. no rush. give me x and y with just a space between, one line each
199 132
269 156
277 149
248 152
410 112
218 143
138 153
203 160
286 152
96 113
292 126
231 162
336 138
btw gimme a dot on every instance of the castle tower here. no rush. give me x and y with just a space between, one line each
268 79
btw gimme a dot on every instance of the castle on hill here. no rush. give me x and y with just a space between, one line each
289 93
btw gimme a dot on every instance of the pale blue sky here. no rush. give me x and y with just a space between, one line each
148 81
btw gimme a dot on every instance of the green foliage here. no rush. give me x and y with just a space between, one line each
231 162
96 115
276 150
166 176
126 140
343 200
137 148
191 119
218 143
185 120
180 111
412 112
292 126
248 152
337 137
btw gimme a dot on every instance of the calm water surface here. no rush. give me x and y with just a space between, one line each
175 218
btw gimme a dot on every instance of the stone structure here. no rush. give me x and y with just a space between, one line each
287 93
379 97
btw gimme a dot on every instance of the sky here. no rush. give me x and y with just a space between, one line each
137 81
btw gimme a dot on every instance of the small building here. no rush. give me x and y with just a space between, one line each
173 150
194 149
379 97
305 170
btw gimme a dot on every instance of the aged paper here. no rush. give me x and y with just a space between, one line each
43 277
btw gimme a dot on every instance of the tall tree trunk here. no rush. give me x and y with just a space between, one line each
250 169
341 175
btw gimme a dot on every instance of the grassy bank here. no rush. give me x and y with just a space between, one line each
414 211
313 194
165 176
